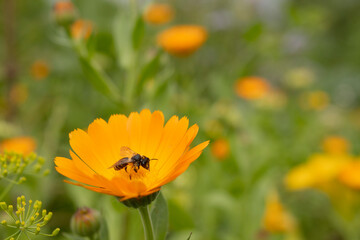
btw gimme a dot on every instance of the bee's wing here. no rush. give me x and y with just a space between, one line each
126 152
123 160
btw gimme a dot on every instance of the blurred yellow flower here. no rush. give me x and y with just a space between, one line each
64 12
274 100
299 77
95 152
39 70
276 218
252 88
158 13
21 145
220 149
335 145
320 169
19 93
81 29
350 175
182 40
315 100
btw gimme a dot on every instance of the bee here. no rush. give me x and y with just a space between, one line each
130 156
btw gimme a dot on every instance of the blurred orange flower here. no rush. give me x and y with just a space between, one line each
182 40
21 145
276 218
64 11
19 93
159 13
335 145
320 169
252 88
95 152
350 175
220 149
39 70
81 29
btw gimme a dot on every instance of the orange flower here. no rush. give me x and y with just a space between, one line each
276 219
182 40
39 70
64 12
335 145
81 29
220 149
21 145
158 14
350 175
251 88
95 152
19 93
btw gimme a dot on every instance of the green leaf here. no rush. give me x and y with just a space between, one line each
98 79
138 33
148 71
160 217
72 236
122 32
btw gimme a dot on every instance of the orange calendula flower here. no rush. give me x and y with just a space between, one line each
81 29
252 88
220 149
335 145
182 40
104 158
350 175
276 218
39 70
64 12
21 145
159 13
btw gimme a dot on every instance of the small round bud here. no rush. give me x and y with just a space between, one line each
3 206
64 12
85 222
3 222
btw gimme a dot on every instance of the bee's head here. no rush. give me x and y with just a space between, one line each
145 162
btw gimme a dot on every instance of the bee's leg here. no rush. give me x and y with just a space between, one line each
130 176
135 169
126 169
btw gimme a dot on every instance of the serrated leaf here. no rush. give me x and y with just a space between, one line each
160 217
138 33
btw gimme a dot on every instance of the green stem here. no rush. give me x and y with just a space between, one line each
6 190
147 223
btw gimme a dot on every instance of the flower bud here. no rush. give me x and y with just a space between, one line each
64 12
85 222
